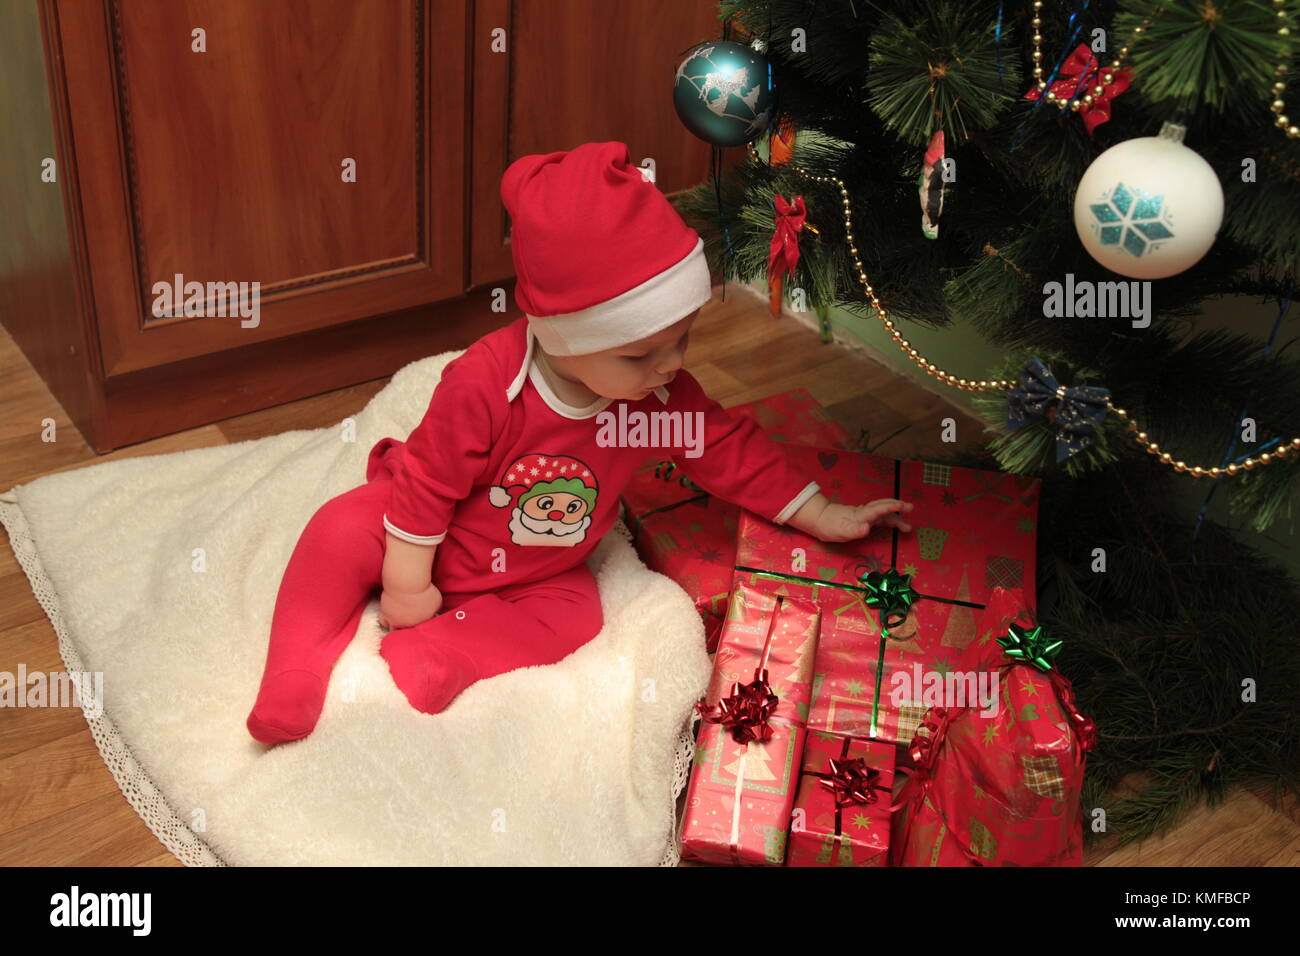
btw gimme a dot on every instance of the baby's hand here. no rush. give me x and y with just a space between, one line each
400 609
849 523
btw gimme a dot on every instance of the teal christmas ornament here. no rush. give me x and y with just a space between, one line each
723 93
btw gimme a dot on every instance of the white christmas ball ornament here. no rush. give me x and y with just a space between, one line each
1149 207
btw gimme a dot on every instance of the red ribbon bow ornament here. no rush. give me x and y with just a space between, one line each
783 252
1079 74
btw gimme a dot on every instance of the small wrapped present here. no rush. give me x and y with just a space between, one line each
747 756
841 814
689 535
874 656
998 783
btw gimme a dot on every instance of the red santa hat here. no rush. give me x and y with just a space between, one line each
529 470
602 258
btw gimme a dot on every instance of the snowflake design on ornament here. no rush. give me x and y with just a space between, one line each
1132 219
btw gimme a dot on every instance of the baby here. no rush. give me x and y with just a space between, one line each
476 529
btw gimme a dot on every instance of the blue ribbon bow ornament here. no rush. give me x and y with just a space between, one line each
1079 409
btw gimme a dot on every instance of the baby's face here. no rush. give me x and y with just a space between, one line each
631 372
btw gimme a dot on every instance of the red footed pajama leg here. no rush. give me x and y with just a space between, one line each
333 573
480 636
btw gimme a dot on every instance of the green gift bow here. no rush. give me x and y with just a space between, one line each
888 591
1030 646
891 594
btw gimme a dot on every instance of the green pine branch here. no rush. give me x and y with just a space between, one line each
1158 645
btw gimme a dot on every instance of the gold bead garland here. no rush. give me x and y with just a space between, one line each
972 385
1106 75
1281 121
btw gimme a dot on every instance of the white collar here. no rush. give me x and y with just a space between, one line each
528 370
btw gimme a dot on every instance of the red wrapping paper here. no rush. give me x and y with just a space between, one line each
858 835
1001 789
972 530
740 794
689 535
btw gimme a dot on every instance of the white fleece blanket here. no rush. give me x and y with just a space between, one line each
577 762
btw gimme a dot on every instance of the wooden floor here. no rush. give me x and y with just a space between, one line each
59 804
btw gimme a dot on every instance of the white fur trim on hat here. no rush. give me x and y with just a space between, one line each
660 301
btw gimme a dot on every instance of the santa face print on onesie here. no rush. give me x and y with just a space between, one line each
550 497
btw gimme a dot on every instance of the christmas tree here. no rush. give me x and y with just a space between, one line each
1188 663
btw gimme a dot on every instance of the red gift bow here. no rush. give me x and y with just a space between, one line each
1084 726
924 748
784 249
851 781
746 711
1077 73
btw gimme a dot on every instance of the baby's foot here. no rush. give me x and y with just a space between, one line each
287 708
428 671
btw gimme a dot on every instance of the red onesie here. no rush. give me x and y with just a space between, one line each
515 488
496 442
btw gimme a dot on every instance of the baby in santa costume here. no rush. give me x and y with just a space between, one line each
477 528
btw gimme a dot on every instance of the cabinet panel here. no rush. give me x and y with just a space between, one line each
226 165
575 72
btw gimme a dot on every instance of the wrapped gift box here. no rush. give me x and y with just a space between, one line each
741 791
689 535
830 830
972 531
998 786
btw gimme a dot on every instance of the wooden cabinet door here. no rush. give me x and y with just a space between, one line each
227 164
573 72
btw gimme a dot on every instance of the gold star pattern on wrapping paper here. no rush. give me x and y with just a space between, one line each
703 755
1025 524
861 821
854 687
910 569
1029 687
990 732
980 793
941 665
